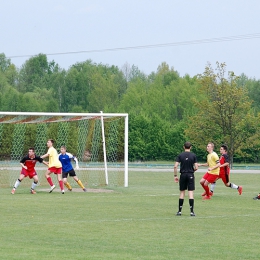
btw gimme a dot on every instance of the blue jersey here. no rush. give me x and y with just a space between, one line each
65 160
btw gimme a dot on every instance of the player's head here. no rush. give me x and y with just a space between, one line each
50 142
223 149
63 149
31 151
210 147
187 145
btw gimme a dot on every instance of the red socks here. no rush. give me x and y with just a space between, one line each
51 183
61 185
49 180
206 188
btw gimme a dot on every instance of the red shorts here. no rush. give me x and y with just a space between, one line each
27 173
55 170
210 177
224 177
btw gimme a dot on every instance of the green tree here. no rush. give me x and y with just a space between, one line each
5 63
104 95
95 87
223 113
35 73
8 70
58 86
253 87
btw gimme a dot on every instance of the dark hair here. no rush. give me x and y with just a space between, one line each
224 147
31 148
64 147
187 145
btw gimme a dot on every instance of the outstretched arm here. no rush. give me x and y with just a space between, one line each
45 163
203 164
215 167
45 155
77 162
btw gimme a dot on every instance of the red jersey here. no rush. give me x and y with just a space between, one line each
30 162
223 159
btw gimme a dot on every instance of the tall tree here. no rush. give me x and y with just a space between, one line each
223 113
8 70
253 87
5 63
34 73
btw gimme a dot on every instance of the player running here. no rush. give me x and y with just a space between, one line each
54 166
28 170
224 172
213 171
67 169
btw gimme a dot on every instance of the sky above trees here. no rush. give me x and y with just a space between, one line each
75 31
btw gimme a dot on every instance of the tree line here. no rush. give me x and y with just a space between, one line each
165 109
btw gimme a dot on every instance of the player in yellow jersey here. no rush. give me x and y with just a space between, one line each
54 166
213 170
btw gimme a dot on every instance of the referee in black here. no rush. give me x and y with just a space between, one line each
188 165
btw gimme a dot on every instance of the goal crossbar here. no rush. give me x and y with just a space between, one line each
42 118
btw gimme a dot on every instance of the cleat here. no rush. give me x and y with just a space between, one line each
178 213
240 189
33 192
13 191
206 197
62 192
85 190
204 194
257 197
52 188
192 214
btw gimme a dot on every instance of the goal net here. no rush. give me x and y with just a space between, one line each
98 140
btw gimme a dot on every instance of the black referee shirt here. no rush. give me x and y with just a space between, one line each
186 160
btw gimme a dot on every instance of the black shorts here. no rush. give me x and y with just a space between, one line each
71 173
187 181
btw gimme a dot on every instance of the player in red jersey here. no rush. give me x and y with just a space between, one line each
224 171
28 170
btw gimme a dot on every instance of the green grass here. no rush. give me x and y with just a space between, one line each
138 222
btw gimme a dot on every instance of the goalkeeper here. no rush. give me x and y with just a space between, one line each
67 169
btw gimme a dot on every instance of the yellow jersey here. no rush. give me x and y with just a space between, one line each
213 160
53 158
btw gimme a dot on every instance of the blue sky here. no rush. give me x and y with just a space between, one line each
30 27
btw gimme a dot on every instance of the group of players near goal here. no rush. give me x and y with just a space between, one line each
218 168
59 164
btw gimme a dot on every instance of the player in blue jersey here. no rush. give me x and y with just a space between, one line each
67 169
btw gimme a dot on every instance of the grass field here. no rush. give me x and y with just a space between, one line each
138 222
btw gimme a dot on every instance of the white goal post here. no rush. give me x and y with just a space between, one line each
98 140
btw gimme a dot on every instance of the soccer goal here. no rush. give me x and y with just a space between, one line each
98 140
